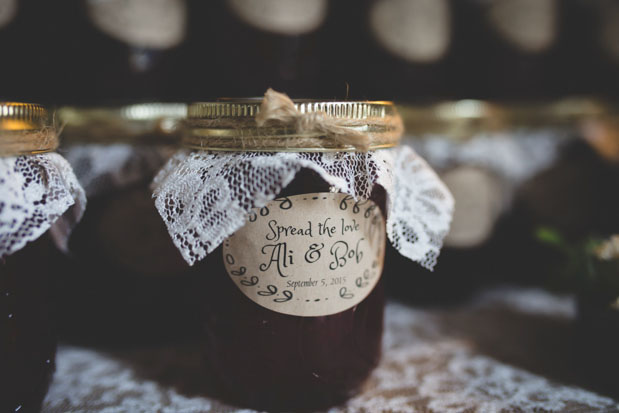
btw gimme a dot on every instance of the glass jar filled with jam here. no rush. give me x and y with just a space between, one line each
291 332
37 188
136 291
282 198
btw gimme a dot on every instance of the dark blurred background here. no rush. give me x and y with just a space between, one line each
94 51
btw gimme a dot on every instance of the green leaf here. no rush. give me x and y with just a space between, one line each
550 236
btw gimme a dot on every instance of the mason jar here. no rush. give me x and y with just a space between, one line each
123 272
291 305
37 188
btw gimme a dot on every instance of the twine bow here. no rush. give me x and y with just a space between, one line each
278 107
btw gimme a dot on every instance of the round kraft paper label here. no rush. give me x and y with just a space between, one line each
308 255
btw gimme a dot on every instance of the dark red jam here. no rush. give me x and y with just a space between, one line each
269 360
124 274
27 328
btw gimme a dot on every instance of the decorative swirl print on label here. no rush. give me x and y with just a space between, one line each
308 255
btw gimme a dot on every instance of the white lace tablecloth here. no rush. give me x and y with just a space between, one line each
507 350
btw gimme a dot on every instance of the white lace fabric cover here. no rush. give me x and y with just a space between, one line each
102 168
204 197
38 193
515 155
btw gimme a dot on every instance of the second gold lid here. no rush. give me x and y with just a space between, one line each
25 129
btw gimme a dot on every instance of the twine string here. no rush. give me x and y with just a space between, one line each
279 108
13 143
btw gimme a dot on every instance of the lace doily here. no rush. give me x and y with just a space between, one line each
469 358
101 168
485 172
37 191
515 155
205 197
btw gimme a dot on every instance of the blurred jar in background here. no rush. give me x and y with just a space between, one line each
8 27
582 62
605 42
22 23
40 201
446 49
242 47
8 10
116 50
123 273
508 48
486 154
418 31
576 195
399 49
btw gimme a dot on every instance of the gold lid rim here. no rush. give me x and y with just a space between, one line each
258 100
25 129
22 116
462 119
231 125
248 108
152 122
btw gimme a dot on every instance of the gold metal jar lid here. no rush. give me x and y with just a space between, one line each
465 118
148 123
25 129
306 126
